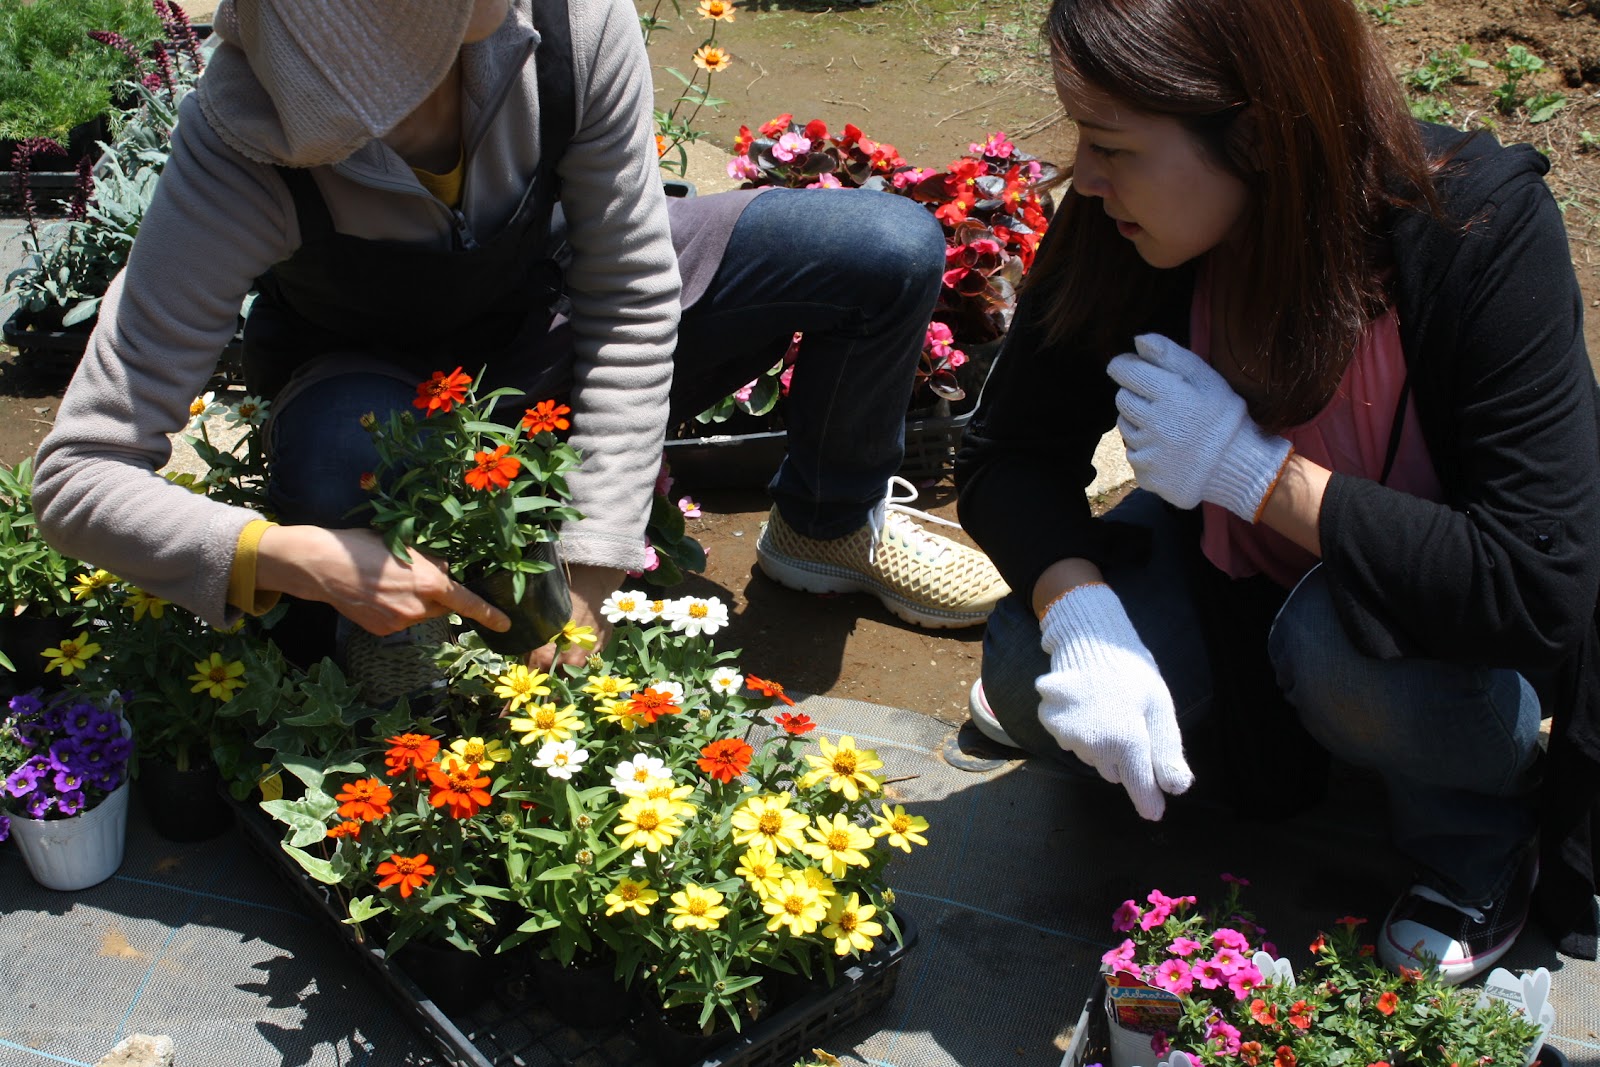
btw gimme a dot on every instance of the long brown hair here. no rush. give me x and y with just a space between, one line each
1295 98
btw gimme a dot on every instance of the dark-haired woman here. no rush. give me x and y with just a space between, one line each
1345 353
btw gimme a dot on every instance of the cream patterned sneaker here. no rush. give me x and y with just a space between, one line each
923 578
399 665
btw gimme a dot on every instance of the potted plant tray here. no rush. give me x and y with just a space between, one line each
512 1027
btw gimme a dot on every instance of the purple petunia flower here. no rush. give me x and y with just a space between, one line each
39 804
65 754
103 724
5 827
54 718
22 781
68 782
70 802
26 704
107 779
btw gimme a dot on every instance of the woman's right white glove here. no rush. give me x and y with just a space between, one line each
1105 701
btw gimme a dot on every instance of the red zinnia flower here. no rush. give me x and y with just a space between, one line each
349 828
651 704
458 784
407 872
493 469
366 799
1388 1002
725 760
767 689
441 392
410 750
1284 1058
794 724
546 415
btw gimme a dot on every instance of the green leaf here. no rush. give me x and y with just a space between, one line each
564 873
363 908
318 868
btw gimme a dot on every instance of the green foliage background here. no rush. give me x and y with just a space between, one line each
53 76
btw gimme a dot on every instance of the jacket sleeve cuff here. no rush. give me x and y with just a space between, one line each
242 592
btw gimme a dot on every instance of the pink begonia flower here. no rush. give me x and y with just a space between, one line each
1244 981
1173 976
1207 975
1183 946
742 394
1125 917
826 181
1230 939
1121 958
664 480
910 176
651 560
784 379
996 147
957 358
690 509
789 146
1226 1037
743 169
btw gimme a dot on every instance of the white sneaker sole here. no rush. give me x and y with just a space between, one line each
811 577
983 719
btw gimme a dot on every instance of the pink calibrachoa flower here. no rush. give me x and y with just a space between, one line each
1121 958
1173 976
1225 1037
789 146
1207 975
1183 946
1230 939
1125 918
1244 981
1228 959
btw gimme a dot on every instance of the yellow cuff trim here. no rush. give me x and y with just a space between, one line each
242 592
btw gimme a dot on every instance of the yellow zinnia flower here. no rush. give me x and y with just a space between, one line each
850 925
646 824
696 906
573 634
547 723
70 655
796 905
519 685
605 687
902 830
846 768
217 677
837 845
631 894
87 585
818 879
717 10
712 59
759 866
143 603
484 753
767 820
669 796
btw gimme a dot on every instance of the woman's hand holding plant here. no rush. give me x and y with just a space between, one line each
1105 701
1189 436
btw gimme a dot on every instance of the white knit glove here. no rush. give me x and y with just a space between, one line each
1105 701
1189 435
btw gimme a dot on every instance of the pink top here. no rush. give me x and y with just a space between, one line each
1350 435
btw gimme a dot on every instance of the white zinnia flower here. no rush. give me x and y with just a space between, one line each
561 759
726 680
694 615
672 689
251 411
625 604
632 777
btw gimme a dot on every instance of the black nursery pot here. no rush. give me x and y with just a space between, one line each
24 638
662 1033
545 607
585 994
452 979
183 805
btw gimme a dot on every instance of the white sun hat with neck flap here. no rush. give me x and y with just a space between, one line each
307 82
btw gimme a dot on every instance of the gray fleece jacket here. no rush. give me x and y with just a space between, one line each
221 216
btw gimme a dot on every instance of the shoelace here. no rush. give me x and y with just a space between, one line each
1475 914
891 507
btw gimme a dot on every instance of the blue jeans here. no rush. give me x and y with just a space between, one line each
1456 745
856 271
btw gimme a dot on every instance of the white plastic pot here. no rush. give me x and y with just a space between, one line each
79 852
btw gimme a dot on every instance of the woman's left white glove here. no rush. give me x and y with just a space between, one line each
1189 435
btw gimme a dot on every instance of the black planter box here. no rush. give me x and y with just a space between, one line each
57 351
513 1027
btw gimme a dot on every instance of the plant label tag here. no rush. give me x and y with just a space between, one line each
1528 994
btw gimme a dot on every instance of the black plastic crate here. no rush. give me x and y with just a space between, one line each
513 1028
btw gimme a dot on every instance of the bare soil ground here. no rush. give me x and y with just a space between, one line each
930 76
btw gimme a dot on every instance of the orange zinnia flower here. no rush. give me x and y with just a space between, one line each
767 689
346 829
661 146
725 760
651 704
793 724
365 799
458 784
1388 1002
410 750
712 59
716 10
547 414
441 392
493 468
407 872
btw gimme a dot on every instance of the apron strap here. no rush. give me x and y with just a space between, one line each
312 211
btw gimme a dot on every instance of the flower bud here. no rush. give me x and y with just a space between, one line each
369 482
369 420
585 857
584 822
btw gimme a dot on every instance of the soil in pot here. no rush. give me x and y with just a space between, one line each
452 979
674 1035
584 993
545 607
183 804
